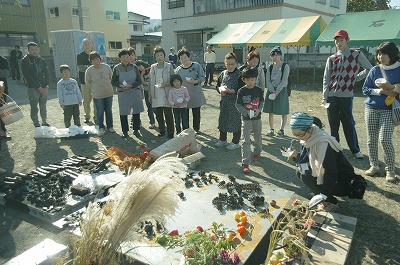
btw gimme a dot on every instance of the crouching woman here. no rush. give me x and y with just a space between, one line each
321 164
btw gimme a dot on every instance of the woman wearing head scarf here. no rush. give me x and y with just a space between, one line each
277 98
321 164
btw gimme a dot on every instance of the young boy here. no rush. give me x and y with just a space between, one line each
178 97
69 96
249 102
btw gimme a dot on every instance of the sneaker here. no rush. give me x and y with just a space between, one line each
358 155
137 133
45 124
125 134
37 125
101 131
390 176
2 171
271 132
220 143
111 130
233 146
245 168
87 120
281 132
152 126
161 134
372 171
255 157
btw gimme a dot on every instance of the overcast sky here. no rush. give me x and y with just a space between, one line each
152 8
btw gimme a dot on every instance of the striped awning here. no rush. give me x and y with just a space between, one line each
301 31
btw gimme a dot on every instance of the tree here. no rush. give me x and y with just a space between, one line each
367 5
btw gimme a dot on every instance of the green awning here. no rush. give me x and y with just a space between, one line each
301 31
364 28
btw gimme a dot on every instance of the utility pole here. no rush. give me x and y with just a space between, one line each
80 14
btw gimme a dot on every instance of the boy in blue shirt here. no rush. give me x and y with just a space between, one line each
69 96
249 102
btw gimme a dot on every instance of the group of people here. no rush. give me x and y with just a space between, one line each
321 164
170 89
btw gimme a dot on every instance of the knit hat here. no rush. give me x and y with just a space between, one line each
277 50
301 121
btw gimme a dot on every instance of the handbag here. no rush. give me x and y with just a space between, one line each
396 112
10 112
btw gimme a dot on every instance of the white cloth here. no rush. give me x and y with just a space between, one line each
317 143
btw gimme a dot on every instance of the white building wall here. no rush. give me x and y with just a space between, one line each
182 19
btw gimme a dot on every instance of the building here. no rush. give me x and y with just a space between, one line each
21 24
192 23
143 43
110 17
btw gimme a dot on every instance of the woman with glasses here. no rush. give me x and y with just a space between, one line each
321 164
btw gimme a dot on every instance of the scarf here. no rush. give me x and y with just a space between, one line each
317 144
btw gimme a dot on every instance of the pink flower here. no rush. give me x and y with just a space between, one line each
224 255
235 259
200 228
308 223
295 202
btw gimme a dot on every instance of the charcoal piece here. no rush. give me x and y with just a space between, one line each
201 173
79 190
231 178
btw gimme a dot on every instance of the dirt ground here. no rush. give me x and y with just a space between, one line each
376 239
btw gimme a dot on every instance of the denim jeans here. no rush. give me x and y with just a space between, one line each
104 105
181 117
35 98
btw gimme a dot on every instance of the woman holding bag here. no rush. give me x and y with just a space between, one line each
381 88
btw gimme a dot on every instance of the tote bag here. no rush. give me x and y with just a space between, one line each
10 112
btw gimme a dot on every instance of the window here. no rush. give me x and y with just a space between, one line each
113 15
85 12
321 1
115 45
53 12
176 4
335 3
137 28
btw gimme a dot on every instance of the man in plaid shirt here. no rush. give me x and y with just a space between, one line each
341 73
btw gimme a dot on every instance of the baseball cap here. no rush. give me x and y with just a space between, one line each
341 33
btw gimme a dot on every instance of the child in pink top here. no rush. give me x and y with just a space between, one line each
178 97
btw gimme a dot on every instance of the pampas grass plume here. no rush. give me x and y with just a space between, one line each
147 194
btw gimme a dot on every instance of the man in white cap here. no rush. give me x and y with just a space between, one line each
341 73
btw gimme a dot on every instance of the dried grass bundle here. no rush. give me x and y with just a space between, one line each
150 193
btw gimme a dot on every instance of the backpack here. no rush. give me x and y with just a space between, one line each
289 86
357 187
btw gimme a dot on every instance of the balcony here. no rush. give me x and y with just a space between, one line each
210 6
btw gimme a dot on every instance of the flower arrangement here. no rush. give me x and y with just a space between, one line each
288 235
212 246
